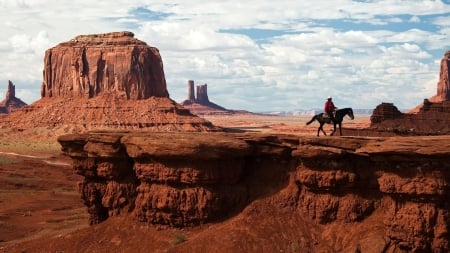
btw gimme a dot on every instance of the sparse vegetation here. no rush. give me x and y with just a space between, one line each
7 160
177 239
294 246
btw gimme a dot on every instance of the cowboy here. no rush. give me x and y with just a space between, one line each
330 108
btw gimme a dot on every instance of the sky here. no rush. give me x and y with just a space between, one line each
255 55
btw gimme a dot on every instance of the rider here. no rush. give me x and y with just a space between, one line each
330 108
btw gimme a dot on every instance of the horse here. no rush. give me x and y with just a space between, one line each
338 118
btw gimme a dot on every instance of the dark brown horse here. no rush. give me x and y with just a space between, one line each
338 118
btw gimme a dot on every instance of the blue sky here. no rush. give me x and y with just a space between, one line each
254 55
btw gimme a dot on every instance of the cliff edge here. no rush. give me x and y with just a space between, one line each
352 194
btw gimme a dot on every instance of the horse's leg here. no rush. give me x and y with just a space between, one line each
321 128
334 129
340 129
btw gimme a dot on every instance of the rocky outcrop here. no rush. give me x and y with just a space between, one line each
202 94
101 82
432 117
392 184
385 111
200 105
90 65
443 86
11 103
191 94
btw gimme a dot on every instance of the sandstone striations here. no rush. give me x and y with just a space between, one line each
11 103
105 81
389 191
90 65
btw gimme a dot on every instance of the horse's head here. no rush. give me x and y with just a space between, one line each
350 113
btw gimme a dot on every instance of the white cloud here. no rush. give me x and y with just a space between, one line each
361 62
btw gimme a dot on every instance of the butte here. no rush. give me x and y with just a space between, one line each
109 81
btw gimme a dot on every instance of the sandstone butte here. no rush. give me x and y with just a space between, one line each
104 81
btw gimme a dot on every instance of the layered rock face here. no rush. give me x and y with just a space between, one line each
105 81
89 65
393 185
11 103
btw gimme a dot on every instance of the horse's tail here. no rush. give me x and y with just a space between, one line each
311 121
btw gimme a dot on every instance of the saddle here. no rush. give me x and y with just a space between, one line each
326 116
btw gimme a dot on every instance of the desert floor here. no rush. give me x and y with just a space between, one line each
283 124
38 189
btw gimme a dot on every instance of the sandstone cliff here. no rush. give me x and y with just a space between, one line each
11 103
335 194
104 81
89 65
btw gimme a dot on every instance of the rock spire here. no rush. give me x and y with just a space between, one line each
443 86
11 103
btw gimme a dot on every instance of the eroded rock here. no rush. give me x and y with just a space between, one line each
11 103
397 184
103 82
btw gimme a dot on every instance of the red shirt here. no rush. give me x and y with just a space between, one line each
329 106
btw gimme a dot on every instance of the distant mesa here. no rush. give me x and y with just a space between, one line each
431 117
11 103
105 81
200 104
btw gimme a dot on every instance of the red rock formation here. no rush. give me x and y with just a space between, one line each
390 191
202 94
105 81
385 111
201 105
432 117
11 103
443 86
90 65
191 94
